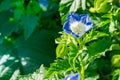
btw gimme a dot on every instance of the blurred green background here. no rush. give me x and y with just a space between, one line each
28 29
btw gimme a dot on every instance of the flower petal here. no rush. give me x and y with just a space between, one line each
84 18
77 35
89 26
66 27
73 77
72 17
77 25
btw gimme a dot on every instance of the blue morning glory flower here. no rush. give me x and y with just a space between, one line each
75 76
77 25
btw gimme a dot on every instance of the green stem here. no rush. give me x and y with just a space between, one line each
82 68
78 41
81 64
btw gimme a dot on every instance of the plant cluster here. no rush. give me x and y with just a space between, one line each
88 47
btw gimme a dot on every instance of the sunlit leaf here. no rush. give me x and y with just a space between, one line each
94 35
83 4
75 5
56 67
116 74
9 63
39 74
67 6
112 27
61 50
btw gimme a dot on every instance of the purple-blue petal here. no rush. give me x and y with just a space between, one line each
89 26
77 35
84 18
89 23
75 76
72 17
66 27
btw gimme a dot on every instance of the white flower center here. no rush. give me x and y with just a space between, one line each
77 27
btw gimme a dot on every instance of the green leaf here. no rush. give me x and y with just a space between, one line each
101 6
116 60
93 76
106 68
58 67
33 8
116 74
73 56
104 7
61 50
38 49
104 23
112 27
9 63
26 56
94 35
67 6
115 47
75 5
39 74
18 13
5 5
100 46
6 26
83 4
29 23
97 3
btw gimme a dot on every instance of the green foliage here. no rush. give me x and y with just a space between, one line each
101 6
29 28
28 31
6 26
37 75
24 45
97 44
9 62
115 60
71 6
58 67
95 47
